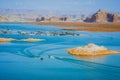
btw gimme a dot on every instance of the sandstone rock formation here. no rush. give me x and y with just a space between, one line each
79 20
23 40
90 50
6 39
32 40
3 19
54 19
103 17
100 16
67 18
116 18
38 19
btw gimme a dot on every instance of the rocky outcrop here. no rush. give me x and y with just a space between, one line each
103 17
3 19
22 40
54 19
90 50
100 16
31 40
67 18
6 39
116 18
41 19
79 20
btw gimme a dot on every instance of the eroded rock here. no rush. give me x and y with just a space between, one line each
32 40
6 39
91 50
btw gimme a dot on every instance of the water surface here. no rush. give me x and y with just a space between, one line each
22 60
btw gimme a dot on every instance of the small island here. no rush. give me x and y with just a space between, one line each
21 40
91 50
32 40
6 39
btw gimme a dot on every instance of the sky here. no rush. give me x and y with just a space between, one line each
62 5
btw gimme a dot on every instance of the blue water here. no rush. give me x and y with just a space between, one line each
22 60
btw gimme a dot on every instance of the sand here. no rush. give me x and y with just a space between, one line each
82 26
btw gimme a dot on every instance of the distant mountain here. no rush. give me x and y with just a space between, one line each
44 12
26 15
31 15
18 11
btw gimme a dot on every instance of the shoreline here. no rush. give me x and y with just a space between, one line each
83 26
79 26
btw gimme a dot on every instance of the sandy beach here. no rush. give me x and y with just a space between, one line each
82 26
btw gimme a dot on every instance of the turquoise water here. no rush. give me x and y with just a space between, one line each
22 60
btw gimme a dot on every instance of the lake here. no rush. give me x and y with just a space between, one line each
48 60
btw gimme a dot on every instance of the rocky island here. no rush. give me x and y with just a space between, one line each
21 40
32 40
6 39
91 50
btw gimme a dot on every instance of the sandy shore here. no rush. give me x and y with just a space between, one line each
95 27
